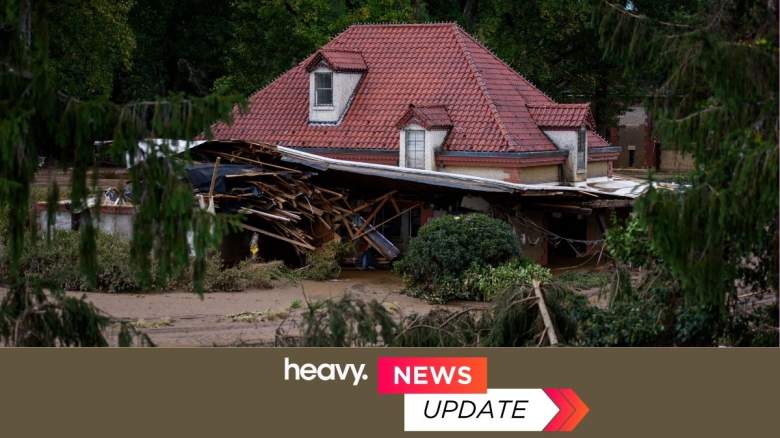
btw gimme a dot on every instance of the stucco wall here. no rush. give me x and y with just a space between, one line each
539 174
484 172
567 140
639 138
598 168
343 86
433 140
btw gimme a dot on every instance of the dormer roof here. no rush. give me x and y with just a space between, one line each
563 115
429 117
338 60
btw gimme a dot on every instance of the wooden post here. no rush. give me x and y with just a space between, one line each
545 314
214 177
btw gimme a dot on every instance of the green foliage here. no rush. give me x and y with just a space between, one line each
347 322
445 248
181 47
512 320
89 42
50 261
243 276
515 320
270 37
579 280
649 318
551 42
629 243
635 322
324 263
487 282
37 116
715 96
50 319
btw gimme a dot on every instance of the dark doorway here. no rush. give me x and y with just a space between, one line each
568 226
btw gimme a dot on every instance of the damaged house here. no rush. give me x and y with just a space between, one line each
388 126
424 96
431 97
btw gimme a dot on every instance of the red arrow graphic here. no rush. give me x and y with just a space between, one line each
580 409
571 409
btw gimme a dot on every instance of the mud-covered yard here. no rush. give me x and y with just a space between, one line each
249 318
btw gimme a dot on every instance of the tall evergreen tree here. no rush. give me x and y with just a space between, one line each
716 98
35 111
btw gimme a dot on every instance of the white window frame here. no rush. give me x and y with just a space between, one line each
414 158
317 102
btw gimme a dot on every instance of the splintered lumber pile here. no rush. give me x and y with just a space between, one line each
282 203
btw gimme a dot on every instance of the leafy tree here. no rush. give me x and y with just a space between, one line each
181 47
89 41
270 37
554 44
36 111
716 98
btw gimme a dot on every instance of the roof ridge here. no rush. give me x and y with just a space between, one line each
399 24
478 42
477 76
555 104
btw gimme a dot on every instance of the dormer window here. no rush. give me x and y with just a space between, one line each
334 76
323 89
415 148
423 130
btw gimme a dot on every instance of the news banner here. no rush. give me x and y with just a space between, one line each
452 394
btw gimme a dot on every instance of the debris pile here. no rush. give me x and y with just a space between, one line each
282 203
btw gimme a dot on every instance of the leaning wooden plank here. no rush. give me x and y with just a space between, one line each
373 214
374 227
263 214
250 160
276 236
395 205
545 314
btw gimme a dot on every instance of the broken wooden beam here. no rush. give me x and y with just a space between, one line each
277 236
548 324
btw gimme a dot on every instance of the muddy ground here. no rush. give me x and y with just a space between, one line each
249 318
252 317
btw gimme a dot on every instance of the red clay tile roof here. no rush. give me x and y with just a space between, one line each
562 115
596 141
429 117
338 60
422 64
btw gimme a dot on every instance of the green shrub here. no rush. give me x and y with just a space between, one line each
515 319
445 248
642 320
325 262
347 322
584 280
243 276
486 282
629 243
56 263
